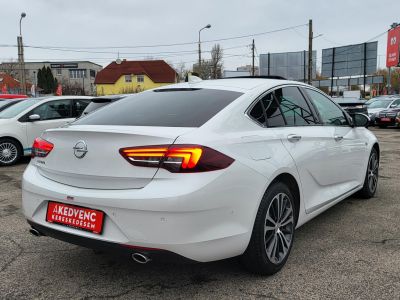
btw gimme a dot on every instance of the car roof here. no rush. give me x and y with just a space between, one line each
48 98
234 84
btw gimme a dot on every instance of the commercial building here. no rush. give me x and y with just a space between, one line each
122 76
74 74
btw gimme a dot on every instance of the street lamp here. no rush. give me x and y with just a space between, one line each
21 55
205 27
23 15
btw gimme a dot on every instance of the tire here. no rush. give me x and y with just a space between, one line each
382 126
260 257
372 174
10 152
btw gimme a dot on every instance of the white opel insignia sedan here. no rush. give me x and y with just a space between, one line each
204 171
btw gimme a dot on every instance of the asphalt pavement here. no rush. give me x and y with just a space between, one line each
352 251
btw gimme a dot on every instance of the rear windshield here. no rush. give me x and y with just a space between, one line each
165 107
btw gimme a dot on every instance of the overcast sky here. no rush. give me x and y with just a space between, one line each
116 23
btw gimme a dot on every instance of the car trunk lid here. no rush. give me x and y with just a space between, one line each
102 166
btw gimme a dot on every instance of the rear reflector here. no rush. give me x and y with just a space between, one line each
177 158
41 148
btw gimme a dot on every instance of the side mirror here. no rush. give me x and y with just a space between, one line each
34 117
361 120
393 105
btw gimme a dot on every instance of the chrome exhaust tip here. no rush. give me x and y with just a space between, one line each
140 258
34 232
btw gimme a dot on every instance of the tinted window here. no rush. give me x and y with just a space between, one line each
164 107
294 107
329 113
272 111
257 113
52 110
79 106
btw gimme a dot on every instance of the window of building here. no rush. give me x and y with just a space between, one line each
128 78
92 73
58 72
140 78
77 73
294 107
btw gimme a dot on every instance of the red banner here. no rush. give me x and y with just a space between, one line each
393 47
75 216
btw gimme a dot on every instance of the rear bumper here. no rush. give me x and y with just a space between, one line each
394 121
115 248
200 218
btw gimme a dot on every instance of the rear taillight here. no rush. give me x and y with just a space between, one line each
177 158
41 148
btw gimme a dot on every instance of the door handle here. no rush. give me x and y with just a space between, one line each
294 138
338 138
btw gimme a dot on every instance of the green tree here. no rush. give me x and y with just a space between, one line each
40 79
46 80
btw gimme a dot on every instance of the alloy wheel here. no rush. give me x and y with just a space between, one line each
278 228
8 152
373 166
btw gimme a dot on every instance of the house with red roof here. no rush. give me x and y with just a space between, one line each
123 77
10 85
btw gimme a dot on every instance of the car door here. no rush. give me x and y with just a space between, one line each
310 144
347 146
53 114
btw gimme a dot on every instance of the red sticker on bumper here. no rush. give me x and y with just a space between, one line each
75 216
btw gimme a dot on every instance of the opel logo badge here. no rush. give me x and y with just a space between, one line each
80 149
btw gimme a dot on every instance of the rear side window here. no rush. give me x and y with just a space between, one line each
257 113
164 107
294 107
79 106
272 111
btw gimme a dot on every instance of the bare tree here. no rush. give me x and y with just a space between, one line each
216 61
10 67
204 71
181 71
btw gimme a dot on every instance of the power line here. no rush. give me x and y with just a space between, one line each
167 45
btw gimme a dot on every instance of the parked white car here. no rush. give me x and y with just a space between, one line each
206 170
22 122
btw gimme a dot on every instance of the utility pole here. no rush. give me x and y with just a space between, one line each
199 52
310 47
21 61
252 66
